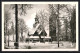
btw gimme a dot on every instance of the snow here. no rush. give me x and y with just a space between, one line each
46 45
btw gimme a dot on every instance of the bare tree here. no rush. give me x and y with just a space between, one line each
6 24
55 10
52 22
73 25
23 10
21 27
72 22
13 30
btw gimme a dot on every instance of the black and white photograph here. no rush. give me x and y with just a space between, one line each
40 26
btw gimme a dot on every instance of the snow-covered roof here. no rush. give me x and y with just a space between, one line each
32 31
34 37
38 37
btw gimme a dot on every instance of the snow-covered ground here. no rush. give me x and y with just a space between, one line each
46 45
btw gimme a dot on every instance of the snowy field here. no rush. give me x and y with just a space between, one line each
46 45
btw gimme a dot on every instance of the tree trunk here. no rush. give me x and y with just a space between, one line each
22 35
73 33
66 24
58 26
13 30
8 38
66 34
6 32
16 26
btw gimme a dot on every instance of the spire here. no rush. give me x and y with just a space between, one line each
36 19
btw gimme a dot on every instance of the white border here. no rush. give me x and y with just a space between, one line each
40 49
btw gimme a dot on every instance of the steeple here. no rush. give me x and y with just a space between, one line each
36 19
